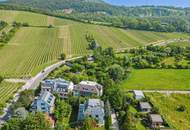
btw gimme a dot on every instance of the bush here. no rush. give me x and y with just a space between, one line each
181 108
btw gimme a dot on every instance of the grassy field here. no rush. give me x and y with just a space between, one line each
7 90
33 48
167 106
182 44
163 79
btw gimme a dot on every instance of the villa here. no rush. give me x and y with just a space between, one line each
93 108
88 88
60 86
44 103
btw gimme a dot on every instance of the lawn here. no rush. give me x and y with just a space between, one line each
167 106
182 44
162 79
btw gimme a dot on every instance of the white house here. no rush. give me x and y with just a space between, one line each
138 95
93 108
60 86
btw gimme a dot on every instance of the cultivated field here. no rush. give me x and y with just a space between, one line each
168 105
33 48
7 90
162 79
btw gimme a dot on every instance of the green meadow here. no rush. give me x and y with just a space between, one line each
167 106
162 79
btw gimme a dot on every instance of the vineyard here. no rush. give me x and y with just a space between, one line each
35 47
7 90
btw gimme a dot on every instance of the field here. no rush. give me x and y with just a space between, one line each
7 90
163 79
32 48
182 44
167 106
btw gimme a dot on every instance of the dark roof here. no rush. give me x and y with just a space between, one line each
145 105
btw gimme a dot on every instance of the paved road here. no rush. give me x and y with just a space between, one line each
166 91
115 125
157 43
33 83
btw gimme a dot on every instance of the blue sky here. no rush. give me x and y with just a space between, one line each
178 3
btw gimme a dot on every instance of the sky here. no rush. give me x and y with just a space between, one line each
178 3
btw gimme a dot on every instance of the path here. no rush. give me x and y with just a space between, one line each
157 43
115 125
17 80
33 83
166 91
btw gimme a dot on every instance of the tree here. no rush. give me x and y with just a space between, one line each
116 72
50 26
1 79
34 121
63 56
88 124
181 108
93 45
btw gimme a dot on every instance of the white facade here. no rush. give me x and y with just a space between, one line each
138 95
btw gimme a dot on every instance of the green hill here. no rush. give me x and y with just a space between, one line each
42 46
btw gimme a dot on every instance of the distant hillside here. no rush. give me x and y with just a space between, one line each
101 6
151 18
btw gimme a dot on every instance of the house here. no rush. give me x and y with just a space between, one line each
60 86
43 103
138 95
88 88
63 87
156 121
145 107
47 85
93 108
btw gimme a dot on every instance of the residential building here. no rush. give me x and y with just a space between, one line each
88 88
44 103
145 107
47 85
60 86
138 95
93 108
156 121
63 87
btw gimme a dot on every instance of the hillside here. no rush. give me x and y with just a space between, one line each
150 18
42 45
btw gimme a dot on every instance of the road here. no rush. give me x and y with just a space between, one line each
157 43
33 83
115 125
166 91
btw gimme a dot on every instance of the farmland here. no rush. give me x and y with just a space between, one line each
162 79
7 90
168 105
32 48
